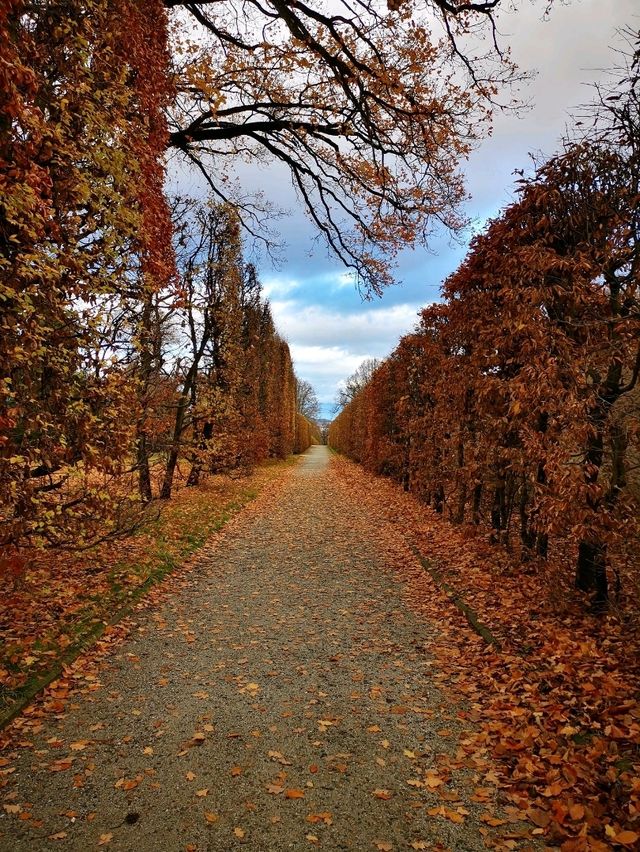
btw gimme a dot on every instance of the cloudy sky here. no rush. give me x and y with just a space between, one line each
330 329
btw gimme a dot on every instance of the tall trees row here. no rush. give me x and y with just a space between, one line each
224 394
122 349
370 108
83 225
515 401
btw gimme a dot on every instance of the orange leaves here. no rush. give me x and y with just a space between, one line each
538 817
385 795
625 838
550 718
294 793
128 783
325 817
279 758
61 765
453 816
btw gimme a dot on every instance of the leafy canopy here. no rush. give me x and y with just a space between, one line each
371 106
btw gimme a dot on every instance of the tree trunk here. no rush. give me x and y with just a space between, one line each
458 515
527 533
144 473
542 545
178 428
146 369
477 503
591 571
591 550
196 468
498 510
591 566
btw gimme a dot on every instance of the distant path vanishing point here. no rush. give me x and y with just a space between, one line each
281 700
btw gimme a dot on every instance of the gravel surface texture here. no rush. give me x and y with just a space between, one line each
282 699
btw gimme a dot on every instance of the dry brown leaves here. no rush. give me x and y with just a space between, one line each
62 596
556 709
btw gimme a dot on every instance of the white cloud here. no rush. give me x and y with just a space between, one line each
327 345
370 331
277 287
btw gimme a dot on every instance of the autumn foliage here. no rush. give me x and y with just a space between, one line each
94 299
513 406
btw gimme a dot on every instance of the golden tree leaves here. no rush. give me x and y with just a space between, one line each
75 192
368 110
506 405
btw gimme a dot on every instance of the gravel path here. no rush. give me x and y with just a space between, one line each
281 700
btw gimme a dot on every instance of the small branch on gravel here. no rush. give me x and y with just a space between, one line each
471 616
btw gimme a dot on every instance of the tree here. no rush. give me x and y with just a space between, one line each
518 394
352 386
370 106
84 226
307 400
207 361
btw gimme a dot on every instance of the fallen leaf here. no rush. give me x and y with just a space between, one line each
61 765
490 819
626 838
324 817
382 794
294 794
538 817
576 812
275 755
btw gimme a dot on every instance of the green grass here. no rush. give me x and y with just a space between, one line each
166 541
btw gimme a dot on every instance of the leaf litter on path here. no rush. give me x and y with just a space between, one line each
303 667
